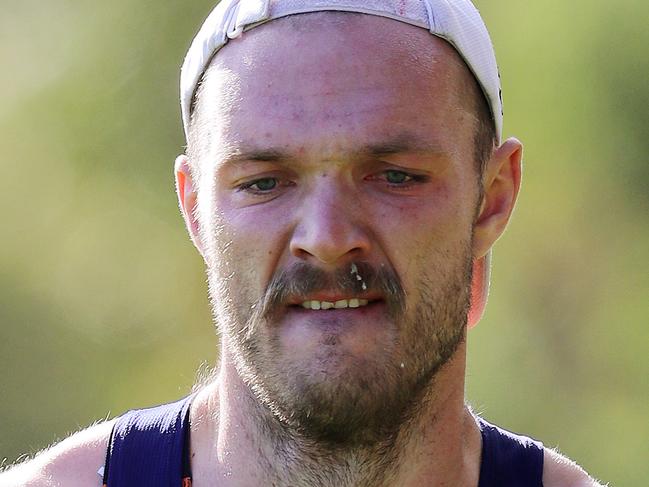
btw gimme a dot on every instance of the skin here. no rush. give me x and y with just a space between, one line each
331 205
325 201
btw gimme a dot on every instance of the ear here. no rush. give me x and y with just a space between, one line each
501 181
187 191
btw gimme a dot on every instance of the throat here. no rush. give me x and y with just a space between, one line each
306 463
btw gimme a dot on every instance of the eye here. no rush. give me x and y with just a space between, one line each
262 185
398 179
393 176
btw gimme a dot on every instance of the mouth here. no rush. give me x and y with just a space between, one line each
331 301
361 291
316 305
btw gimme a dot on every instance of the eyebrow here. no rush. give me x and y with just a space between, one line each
398 145
267 155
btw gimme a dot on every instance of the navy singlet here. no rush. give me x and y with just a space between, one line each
150 448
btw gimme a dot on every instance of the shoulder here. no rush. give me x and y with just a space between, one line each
72 462
560 471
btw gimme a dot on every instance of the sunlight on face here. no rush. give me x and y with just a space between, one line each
337 194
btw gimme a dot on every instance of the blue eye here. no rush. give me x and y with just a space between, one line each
261 185
397 177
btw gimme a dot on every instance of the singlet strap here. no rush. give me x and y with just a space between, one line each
150 448
508 459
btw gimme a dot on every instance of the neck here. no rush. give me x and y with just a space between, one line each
237 441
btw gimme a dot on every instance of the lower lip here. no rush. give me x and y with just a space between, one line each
348 332
339 317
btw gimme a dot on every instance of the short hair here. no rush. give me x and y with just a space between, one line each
485 130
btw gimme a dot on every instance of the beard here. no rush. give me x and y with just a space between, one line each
348 401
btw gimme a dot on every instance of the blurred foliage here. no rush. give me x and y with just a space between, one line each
103 304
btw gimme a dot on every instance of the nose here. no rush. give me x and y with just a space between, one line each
331 229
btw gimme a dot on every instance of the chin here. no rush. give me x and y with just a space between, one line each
338 400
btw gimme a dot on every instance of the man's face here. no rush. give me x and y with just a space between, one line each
337 172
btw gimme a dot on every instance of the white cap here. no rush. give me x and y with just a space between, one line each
456 21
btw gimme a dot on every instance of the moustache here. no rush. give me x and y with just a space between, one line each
301 279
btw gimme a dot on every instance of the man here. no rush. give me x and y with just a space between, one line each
344 182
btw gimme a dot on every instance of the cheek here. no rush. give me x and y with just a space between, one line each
248 244
427 236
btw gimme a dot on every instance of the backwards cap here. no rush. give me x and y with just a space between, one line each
456 21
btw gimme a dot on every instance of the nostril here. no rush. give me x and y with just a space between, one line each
329 236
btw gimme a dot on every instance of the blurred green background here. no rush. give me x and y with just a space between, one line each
102 297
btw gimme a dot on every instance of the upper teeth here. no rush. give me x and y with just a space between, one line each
343 303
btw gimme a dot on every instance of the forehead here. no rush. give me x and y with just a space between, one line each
328 82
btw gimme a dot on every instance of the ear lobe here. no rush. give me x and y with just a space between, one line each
479 289
187 193
501 183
